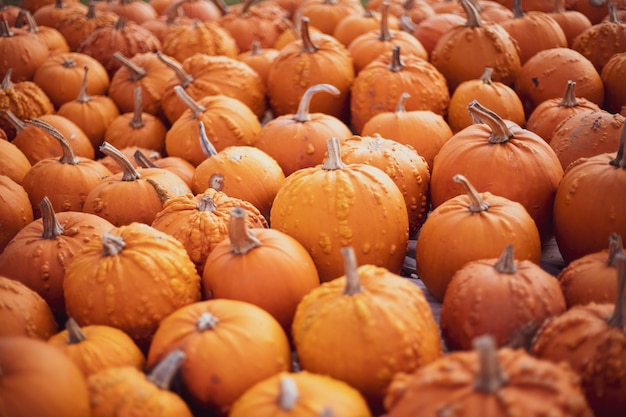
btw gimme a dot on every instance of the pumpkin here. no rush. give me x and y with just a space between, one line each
97 347
498 149
356 24
489 11
316 53
200 222
571 21
477 381
208 37
590 339
75 26
13 162
15 209
294 32
431 28
214 374
494 95
93 114
161 25
551 112
463 52
13 42
23 313
50 12
126 390
592 278
40 252
300 393
262 266
415 10
298 140
174 164
129 152
259 59
51 36
149 188
227 121
400 124
339 196
614 90
106 282
378 86
596 11
587 201
38 380
443 245
194 9
132 10
371 306
9 12
505 295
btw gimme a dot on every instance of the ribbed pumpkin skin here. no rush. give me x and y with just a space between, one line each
327 209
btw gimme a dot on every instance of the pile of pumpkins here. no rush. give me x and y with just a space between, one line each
206 208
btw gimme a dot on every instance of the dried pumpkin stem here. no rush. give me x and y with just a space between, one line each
120 23
500 132
473 17
406 23
333 158
206 321
51 226
164 372
6 81
518 12
112 245
618 319
183 76
83 95
68 156
129 173
615 247
385 33
142 160
137 121
216 182
24 17
569 97
307 44
256 48
396 64
477 204
15 121
205 143
221 6
303 115
91 10
620 158
490 376
5 31
506 262
408 5
162 192
136 72
69 63
74 333
353 282
613 17
196 109
242 238
206 203
246 6
486 77
327 412
288 395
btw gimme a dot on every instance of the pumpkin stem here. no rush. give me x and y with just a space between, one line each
196 109
6 81
5 31
385 33
288 395
24 17
206 203
221 6
517 9
120 23
477 204
618 319
17 123
615 247
307 44
246 7
205 143
327 412
333 158
51 226
91 10
112 245
302 115
83 95
408 5
400 108
68 157
165 371
558 6
69 63
206 321
486 77
256 49
74 333
396 63
136 72
161 191
137 121
184 77
129 171
569 98
506 262
353 283
242 238
490 376
473 17
500 132
216 182
142 160
613 17
620 158
406 23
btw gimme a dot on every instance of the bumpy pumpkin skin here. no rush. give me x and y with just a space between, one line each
135 289
16 211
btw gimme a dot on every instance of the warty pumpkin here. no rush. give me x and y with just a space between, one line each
75 26
207 37
131 279
14 42
132 10
162 24
16 213
51 36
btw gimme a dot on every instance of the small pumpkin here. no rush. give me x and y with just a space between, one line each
13 162
207 37
326 15
174 164
259 59
132 10
356 24
51 36
431 28
13 42
614 90
16 214
571 21
75 26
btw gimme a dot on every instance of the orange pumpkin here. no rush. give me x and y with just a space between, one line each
16 212
132 10
75 26
614 90
13 42
356 24
208 37
326 15
13 162
174 164
51 36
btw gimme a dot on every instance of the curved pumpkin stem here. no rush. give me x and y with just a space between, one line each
486 76
206 203
406 23
83 95
91 10
206 321
333 158
400 108
74 333
477 204
136 72
242 238
473 17
17 123
205 143
569 98
307 44
500 132
142 160
5 30
490 376
137 121
618 319
112 245
288 395
129 171
6 81
196 109
517 9
302 115
184 77
613 17
68 156
165 371
506 262
51 226
25 18
353 283
615 247
396 63
620 158
385 33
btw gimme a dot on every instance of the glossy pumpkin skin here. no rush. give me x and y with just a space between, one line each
152 272
16 211
23 312
38 380
316 393
245 346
